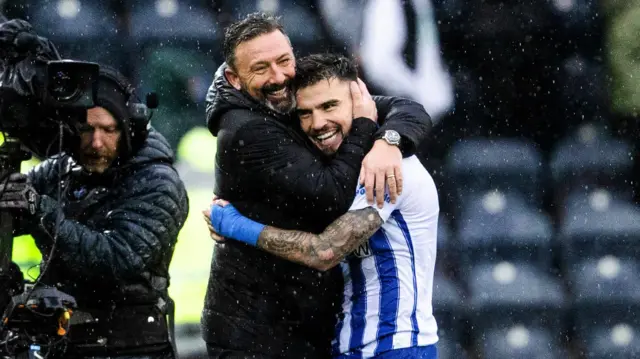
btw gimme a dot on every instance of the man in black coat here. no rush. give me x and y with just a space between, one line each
257 305
106 218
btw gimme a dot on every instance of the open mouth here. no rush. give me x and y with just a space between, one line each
278 93
326 136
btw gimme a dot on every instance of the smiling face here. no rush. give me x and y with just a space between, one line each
264 68
325 110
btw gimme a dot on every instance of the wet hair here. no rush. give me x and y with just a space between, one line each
252 26
317 67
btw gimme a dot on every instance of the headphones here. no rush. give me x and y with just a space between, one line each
139 114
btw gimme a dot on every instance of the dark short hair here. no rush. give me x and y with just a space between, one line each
252 26
317 67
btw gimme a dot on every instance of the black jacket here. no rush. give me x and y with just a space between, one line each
272 173
117 236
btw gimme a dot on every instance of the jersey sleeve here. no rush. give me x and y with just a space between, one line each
360 202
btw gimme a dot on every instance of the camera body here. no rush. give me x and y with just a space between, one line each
37 96
70 84
39 92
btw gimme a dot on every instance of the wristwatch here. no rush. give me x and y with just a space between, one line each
391 137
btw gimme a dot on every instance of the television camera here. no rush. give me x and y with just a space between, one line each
42 100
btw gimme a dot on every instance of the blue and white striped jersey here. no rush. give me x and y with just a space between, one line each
389 279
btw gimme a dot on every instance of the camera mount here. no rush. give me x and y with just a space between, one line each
35 317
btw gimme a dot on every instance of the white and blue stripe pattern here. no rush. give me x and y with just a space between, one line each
388 284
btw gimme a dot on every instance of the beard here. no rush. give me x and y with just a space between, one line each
328 139
282 104
96 161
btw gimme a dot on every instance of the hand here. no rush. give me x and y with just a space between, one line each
382 167
206 213
363 104
16 192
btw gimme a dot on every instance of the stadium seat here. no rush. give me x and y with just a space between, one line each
582 89
447 306
508 293
605 290
590 157
343 19
300 23
445 256
576 14
520 341
597 224
448 14
444 233
508 164
171 23
503 226
449 349
619 341
578 23
81 29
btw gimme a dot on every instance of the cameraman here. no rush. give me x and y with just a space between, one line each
108 237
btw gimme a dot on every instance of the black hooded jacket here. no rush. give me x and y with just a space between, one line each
272 173
116 236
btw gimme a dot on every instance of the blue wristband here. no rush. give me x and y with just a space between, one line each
229 223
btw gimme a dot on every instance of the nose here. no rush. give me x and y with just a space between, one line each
279 76
97 140
318 121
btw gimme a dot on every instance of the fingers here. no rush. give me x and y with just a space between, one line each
380 185
363 89
214 235
222 202
369 184
393 187
219 201
206 214
398 172
356 95
212 232
362 176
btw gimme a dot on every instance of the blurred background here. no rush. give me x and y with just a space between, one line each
535 105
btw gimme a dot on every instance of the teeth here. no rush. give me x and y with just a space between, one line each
279 92
326 135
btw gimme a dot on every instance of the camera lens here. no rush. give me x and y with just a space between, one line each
63 87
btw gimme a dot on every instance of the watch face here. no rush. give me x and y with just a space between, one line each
392 136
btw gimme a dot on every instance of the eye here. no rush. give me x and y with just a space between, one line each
260 70
85 128
285 61
329 107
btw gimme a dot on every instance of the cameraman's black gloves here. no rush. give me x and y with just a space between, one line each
16 192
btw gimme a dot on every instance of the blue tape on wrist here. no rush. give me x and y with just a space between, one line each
229 223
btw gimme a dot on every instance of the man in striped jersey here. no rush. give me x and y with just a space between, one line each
387 253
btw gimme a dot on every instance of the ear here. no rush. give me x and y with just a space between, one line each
232 77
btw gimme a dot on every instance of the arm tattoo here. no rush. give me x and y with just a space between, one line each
322 251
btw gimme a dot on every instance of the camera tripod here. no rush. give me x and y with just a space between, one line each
36 317
11 156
